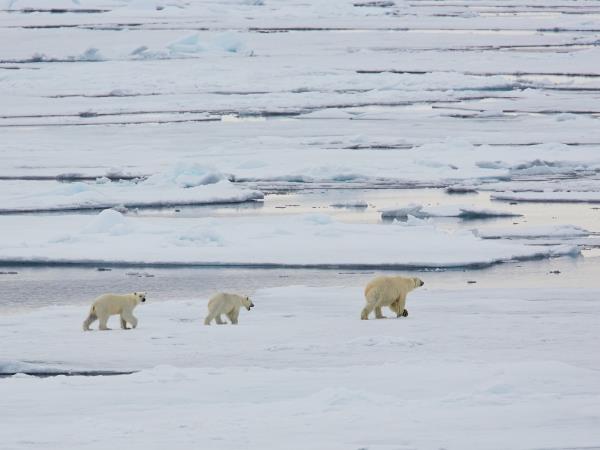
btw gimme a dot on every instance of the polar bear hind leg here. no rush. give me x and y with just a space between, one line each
378 313
213 312
91 318
219 320
103 322
364 315
371 296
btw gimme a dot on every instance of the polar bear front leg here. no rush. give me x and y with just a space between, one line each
123 323
128 316
233 316
399 306
405 313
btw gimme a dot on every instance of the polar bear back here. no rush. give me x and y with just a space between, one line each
388 287
225 300
112 304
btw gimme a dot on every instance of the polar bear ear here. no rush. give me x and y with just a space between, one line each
135 293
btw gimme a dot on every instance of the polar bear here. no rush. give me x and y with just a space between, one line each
388 291
228 304
111 304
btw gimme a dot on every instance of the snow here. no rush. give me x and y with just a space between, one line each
300 240
469 364
343 92
203 102
181 184
463 212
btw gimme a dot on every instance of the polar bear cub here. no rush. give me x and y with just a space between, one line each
228 304
111 304
388 291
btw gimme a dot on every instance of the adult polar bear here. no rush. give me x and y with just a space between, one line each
228 304
388 291
111 304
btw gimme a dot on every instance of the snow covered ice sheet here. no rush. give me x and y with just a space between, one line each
299 240
204 99
301 370
138 85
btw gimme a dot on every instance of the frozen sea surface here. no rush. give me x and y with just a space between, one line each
301 370
139 104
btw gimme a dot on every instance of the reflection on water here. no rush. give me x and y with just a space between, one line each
34 287
321 201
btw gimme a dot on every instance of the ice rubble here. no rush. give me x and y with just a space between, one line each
191 45
182 184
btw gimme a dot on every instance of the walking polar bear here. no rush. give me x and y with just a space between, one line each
388 291
228 304
111 304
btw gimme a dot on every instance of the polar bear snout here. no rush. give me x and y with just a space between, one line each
248 303
418 282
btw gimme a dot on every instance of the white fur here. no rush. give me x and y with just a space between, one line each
388 291
112 304
228 304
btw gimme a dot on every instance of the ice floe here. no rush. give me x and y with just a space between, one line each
549 197
313 240
182 184
534 232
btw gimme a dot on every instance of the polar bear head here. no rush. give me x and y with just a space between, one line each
247 303
418 282
140 297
